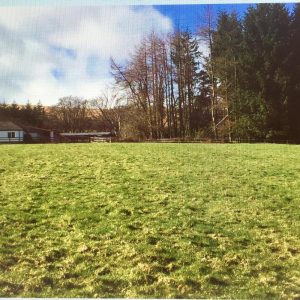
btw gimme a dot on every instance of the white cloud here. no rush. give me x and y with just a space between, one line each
37 42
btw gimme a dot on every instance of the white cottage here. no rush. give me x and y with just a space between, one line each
10 132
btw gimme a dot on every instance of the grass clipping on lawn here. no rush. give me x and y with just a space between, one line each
150 220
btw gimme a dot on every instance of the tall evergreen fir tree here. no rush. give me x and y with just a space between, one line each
294 71
266 37
227 49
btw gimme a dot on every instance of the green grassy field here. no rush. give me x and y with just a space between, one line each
150 220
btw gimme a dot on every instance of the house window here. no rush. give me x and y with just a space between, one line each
11 135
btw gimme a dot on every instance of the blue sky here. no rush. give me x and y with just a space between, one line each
129 2
50 51
189 16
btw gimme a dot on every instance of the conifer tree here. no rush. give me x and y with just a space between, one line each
266 28
294 69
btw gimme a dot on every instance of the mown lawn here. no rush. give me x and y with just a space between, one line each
150 220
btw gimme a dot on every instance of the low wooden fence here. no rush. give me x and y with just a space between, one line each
211 141
6 140
59 139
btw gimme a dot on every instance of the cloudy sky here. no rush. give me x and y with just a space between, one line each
51 51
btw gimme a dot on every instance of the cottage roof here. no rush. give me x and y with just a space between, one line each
7 125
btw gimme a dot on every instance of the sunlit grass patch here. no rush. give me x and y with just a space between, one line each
150 220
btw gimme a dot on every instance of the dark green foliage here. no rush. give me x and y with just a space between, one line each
257 66
226 54
294 71
266 40
33 115
250 117
227 50
200 117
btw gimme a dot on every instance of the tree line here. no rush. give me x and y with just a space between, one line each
247 85
70 114
33 115
244 85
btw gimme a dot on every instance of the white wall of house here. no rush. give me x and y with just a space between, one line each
4 136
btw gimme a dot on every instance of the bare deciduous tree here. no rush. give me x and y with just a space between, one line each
107 108
71 113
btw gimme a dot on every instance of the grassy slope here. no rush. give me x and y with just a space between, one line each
150 220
